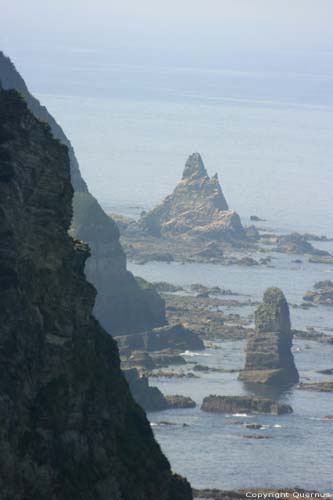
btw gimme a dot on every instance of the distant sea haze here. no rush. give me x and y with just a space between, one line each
269 137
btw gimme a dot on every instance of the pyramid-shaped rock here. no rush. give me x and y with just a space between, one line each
197 208
269 359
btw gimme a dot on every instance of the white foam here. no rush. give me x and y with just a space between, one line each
192 354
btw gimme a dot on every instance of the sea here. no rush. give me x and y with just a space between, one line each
268 135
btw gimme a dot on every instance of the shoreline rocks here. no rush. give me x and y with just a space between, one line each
269 359
243 404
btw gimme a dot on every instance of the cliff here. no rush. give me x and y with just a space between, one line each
70 429
269 359
122 306
197 208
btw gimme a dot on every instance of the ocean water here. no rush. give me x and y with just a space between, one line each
269 137
210 451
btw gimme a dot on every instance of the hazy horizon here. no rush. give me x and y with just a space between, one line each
239 34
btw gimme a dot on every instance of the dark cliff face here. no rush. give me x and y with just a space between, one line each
69 428
121 305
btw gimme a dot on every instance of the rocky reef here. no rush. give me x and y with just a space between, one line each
243 404
122 305
322 293
70 428
296 243
269 359
326 386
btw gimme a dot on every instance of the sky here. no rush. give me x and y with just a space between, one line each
189 26
49 40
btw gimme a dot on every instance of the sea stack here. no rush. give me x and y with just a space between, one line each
70 428
269 359
197 208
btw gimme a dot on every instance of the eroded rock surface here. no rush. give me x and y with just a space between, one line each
269 359
197 208
70 428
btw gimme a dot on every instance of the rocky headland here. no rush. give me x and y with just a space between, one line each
70 428
269 359
122 305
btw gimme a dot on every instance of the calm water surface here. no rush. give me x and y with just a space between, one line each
269 138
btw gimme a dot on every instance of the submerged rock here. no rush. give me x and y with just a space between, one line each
317 259
317 386
243 404
70 428
269 359
122 305
327 371
197 208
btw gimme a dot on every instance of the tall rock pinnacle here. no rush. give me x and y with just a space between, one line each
269 359
196 208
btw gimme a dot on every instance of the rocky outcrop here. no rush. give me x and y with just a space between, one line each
243 404
322 293
174 337
122 305
193 224
176 401
269 359
70 428
298 244
197 208
317 259
149 398
326 386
